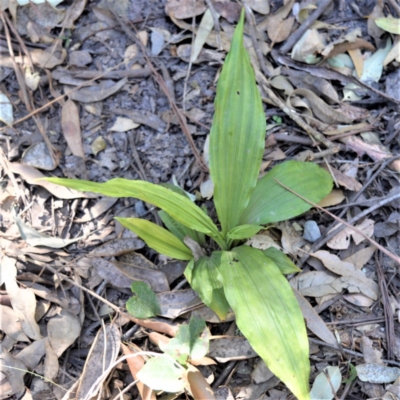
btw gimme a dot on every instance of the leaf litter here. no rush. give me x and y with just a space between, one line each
113 123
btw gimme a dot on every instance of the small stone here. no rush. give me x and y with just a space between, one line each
157 42
311 231
393 85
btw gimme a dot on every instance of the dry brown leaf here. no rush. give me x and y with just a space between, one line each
359 300
23 301
73 13
358 61
314 283
99 208
361 257
322 110
198 385
228 348
314 322
33 176
63 330
370 353
71 127
335 197
135 364
14 370
308 47
375 151
98 92
103 353
183 9
117 247
341 241
347 270
372 27
175 303
10 325
50 362
122 124
33 354
344 180
261 6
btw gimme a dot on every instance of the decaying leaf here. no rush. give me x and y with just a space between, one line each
34 177
71 127
98 92
184 9
341 241
308 45
6 110
103 353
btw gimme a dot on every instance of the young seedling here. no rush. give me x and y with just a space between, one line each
225 272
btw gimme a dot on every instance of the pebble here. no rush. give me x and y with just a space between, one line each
393 84
157 42
311 231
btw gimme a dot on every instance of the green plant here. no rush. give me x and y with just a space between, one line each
227 273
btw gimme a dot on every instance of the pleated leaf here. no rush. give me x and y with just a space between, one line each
270 202
282 261
176 205
237 134
244 232
204 277
180 230
268 315
157 238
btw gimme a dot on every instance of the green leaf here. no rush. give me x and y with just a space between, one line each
176 205
237 134
244 232
204 277
161 373
180 230
157 238
391 25
144 303
268 314
282 261
270 202
191 341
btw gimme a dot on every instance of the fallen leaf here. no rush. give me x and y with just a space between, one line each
98 145
122 124
228 348
10 324
135 364
361 257
14 370
6 110
185 9
71 127
370 353
373 66
335 197
205 27
314 322
38 155
341 241
306 48
103 353
101 91
33 176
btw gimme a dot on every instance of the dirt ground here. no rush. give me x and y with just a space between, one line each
101 89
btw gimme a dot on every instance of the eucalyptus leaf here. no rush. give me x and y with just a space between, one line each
391 25
157 238
326 384
204 277
271 202
237 134
176 205
268 314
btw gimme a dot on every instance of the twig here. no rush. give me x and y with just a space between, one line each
356 218
295 36
390 335
319 137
